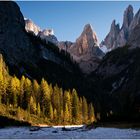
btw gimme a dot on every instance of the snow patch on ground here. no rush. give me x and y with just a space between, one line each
68 126
79 133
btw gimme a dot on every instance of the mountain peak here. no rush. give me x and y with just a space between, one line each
85 50
128 16
30 26
87 27
130 7
118 37
114 26
113 23
89 34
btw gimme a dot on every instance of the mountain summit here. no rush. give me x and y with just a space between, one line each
128 17
85 42
90 35
46 34
118 37
30 26
85 50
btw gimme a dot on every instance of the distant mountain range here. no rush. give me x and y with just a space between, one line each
128 34
110 80
85 51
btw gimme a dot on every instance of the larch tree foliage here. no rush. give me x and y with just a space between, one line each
61 105
85 110
68 103
36 91
33 106
1 78
91 113
14 89
51 112
56 102
66 114
38 109
27 94
75 106
22 87
4 78
80 110
55 116
50 103
45 99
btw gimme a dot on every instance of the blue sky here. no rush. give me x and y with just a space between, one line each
68 18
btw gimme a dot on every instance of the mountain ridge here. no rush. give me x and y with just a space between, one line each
82 50
119 37
112 83
85 50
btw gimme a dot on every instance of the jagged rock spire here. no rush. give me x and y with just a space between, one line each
136 21
86 51
112 35
128 16
87 39
118 37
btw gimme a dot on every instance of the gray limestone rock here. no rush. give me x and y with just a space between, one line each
30 26
119 37
86 51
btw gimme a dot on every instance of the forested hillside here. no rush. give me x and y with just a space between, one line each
27 100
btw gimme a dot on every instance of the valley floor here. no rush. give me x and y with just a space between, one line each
73 133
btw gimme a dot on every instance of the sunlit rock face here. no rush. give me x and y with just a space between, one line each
31 27
85 50
46 34
85 42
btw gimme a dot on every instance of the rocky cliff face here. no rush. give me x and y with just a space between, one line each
30 26
134 29
85 50
127 17
19 50
110 40
85 42
119 37
124 33
46 34
25 52
14 42
65 45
